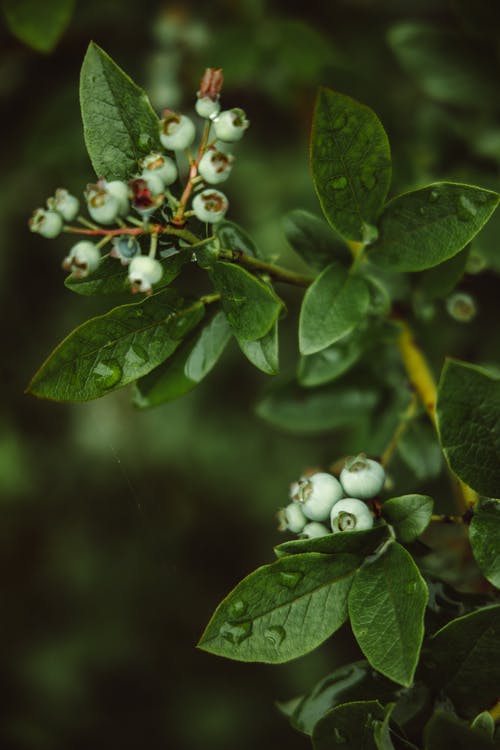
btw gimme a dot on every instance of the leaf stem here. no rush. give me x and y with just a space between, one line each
178 218
275 272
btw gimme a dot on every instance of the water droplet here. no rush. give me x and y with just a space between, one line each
370 233
466 210
237 608
290 578
421 210
361 632
368 179
236 632
340 737
411 588
433 196
107 374
136 355
276 634
340 122
139 312
338 183
145 141
178 325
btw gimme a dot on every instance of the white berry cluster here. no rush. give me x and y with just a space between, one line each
110 203
322 504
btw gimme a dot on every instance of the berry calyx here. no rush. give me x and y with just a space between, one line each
102 206
230 125
461 307
317 495
291 518
82 259
143 199
64 203
215 166
158 164
143 273
362 477
207 104
46 222
350 514
177 131
210 206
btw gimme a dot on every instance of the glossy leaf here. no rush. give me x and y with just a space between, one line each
316 410
334 303
233 237
351 163
409 515
439 281
119 124
388 597
348 727
332 362
420 449
187 367
282 610
355 542
264 352
446 732
110 277
110 351
39 25
466 660
313 239
484 535
251 306
467 411
421 229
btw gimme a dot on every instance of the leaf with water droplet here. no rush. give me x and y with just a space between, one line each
238 608
114 349
347 727
350 161
117 117
312 608
417 231
409 515
236 632
484 535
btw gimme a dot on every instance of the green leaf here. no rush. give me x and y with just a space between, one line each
119 124
332 362
446 732
348 727
251 306
110 351
484 535
421 229
361 543
187 367
409 515
386 606
38 24
264 352
439 281
468 405
485 724
308 411
351 163
420 450
466 660
333 305
232 237
381 730
313 239
282 610
446 65
110 277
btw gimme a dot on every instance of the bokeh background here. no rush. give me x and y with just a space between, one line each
121 530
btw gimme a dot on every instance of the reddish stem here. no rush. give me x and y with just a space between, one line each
178 219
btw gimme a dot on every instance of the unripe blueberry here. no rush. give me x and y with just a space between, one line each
47 223
210 206
317 495
125 248
292 518
230 125
461 307
176 131
362 477
313 530
83 258
215 166
120 190
350 514
65 204
143 273
160 165
102 206
207 108
154 182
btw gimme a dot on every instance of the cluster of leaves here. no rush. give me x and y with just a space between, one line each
168 343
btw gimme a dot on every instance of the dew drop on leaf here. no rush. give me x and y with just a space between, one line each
136 355
276 634
290 578
339 122
236 632
145 141
177 326
341 738
433 196
466 210
107 374
237 608
421 210
368 179
338 183
411 588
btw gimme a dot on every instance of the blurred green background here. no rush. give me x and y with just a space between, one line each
121 530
